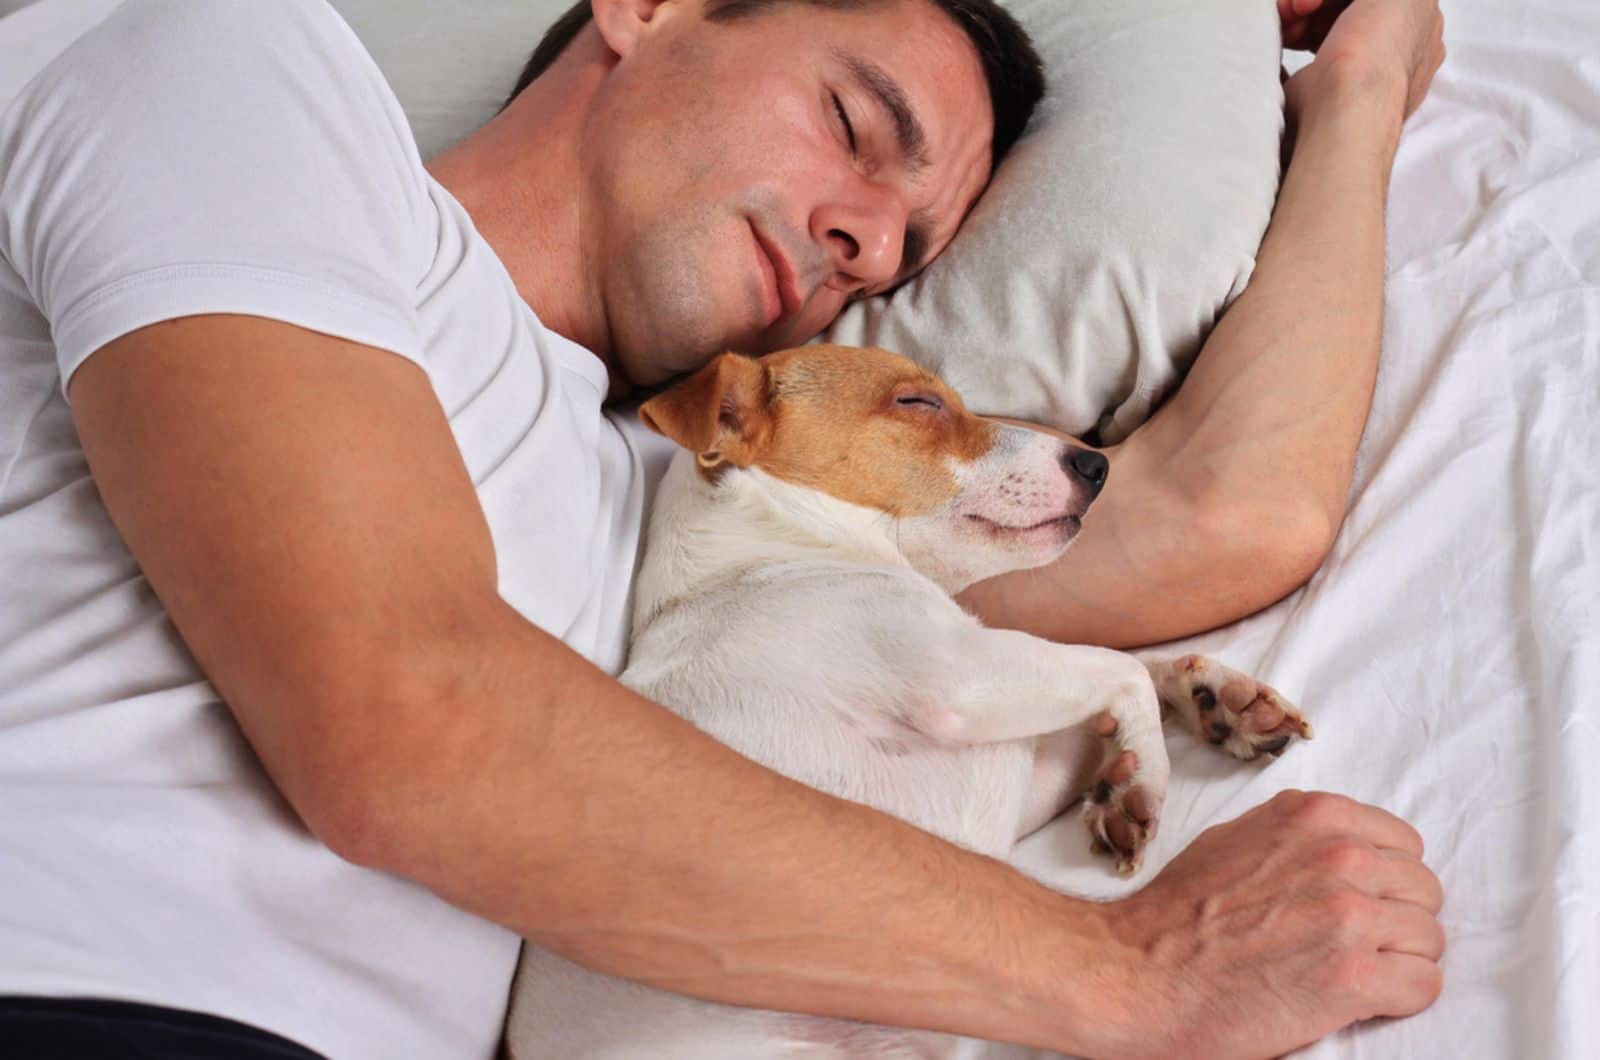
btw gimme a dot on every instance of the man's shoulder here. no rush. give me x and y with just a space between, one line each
215 156
235 78
226 23
296 55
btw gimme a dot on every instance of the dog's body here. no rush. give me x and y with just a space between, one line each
796 604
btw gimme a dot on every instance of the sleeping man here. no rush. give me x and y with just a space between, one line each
315 590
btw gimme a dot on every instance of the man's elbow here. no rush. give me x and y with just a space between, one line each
358 778
345 809
1276 543
349 819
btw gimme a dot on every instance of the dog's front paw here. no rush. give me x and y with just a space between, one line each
1226 708
1122 808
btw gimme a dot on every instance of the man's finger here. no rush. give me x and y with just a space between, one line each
1326 811
1402 927
1405 879
1386 831
1405 985
1383 829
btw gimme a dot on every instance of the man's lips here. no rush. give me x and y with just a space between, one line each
780 286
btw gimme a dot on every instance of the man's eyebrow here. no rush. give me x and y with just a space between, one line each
907 129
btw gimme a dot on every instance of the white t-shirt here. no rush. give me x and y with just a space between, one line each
206 156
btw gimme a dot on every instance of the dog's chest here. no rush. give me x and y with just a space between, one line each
802 674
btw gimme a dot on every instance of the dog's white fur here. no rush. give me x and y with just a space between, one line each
820 638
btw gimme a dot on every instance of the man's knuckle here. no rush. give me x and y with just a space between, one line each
1288 799
1319 809
1346 913
1348 858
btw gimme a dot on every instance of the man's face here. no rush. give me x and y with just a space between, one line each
747 178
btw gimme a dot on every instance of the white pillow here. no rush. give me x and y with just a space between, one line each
1080 288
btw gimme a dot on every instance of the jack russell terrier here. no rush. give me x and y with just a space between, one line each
795 602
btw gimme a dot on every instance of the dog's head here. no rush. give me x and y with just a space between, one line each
971 497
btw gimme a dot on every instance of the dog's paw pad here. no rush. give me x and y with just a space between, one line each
1229 709
1121 813
1265 721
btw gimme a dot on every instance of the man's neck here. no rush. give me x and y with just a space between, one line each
519 178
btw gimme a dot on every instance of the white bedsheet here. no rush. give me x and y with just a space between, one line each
1449 651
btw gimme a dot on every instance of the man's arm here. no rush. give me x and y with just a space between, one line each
298 504
1230 496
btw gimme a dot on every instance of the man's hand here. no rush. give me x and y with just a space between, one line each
1306 22
1401 40
1307 913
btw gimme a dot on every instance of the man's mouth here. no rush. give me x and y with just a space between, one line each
779 286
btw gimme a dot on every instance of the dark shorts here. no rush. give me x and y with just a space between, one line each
37 1028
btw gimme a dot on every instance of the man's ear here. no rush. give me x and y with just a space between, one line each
623 22
723 412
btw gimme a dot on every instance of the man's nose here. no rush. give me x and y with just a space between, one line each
864 238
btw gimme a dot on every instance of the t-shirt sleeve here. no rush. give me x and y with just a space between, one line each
215 156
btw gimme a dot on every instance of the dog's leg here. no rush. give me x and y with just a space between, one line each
990 686
1226 708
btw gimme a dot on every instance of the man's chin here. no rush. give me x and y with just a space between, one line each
632 374
669 352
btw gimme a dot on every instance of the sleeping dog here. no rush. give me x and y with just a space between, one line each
795 602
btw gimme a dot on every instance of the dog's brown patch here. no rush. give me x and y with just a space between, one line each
861 424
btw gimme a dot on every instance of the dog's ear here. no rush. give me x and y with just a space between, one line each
722 413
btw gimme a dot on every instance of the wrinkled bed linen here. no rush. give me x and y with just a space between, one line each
1449 650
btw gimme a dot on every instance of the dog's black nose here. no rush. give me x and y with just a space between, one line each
1087 465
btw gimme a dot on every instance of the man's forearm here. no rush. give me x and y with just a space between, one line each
1280 395
1229 497
609 830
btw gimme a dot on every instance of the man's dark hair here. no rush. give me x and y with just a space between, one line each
1010 64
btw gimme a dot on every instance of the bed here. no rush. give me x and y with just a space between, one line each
1449 649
